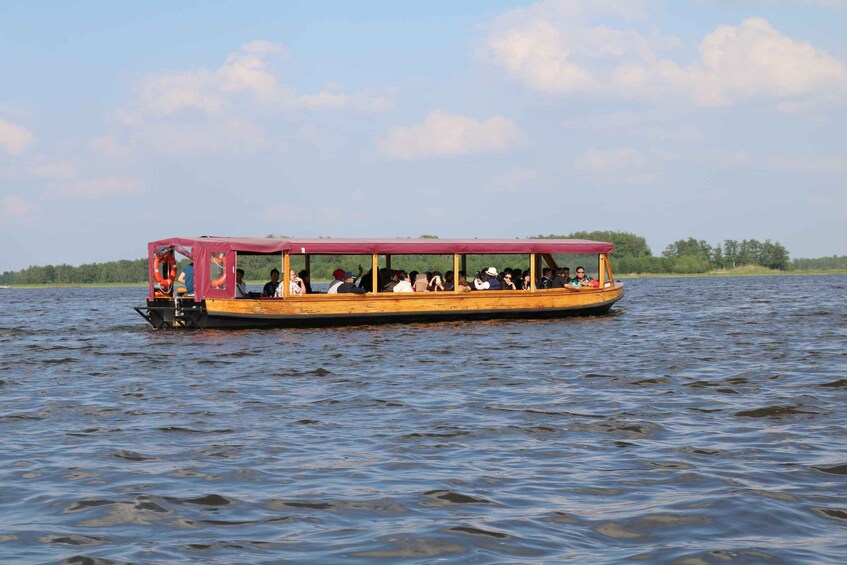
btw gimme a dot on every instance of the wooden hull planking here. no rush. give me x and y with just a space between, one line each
321 310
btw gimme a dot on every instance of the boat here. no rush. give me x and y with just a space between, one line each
213 302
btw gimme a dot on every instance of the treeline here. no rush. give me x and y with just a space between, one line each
834 263
631 255
123 271
688 256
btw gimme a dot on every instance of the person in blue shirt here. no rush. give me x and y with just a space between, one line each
186 277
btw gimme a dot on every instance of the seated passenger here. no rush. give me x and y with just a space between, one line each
392 281
404 284
581 278
338 275
559 281
269 289
240 285
186 277
304 274
462 282
527 281
546 279
448 281
420 283
436 284
349 285
487 280
508 283
296 285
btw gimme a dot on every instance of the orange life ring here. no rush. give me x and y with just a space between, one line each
167 260
221 280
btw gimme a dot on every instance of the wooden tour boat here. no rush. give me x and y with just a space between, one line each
214 304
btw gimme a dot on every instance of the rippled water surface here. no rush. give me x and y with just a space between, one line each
702 422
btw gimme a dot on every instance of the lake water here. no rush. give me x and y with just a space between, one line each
704 421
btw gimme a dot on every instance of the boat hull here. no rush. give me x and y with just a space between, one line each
320 310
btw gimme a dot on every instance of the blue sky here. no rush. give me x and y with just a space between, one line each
122 123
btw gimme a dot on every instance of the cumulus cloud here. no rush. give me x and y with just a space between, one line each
247 72
224 108
15 208
737 63
15 139
97 188
566 46
443 134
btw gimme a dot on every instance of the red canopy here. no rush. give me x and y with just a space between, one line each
341 246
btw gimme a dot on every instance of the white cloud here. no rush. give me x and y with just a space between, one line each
748 61
16 208
222 109
443 134
15 139
103 187
557 47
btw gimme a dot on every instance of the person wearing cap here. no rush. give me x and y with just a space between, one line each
491 281
349 285
338 275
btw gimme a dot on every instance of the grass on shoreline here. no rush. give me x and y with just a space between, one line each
746 271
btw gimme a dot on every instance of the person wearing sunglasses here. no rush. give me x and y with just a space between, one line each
581 278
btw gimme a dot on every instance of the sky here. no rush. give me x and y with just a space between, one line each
125 122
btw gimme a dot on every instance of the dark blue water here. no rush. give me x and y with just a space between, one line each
703 422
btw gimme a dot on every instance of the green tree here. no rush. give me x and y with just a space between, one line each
626 244
689 248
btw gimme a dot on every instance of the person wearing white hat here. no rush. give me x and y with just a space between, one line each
487 280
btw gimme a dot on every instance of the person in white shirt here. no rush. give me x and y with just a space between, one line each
404 282
296 286
240 285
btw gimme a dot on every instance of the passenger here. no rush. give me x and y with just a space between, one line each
413 277
560 281
366 281
240 285
296 285
487 280
271 287
420 283
527 281
581 278
338 275
383 277
186 277
349 285
435 283
546 280
448 281
304 274
395 278
404 284
462 282
507 283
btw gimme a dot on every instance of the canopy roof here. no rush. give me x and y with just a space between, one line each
423 246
